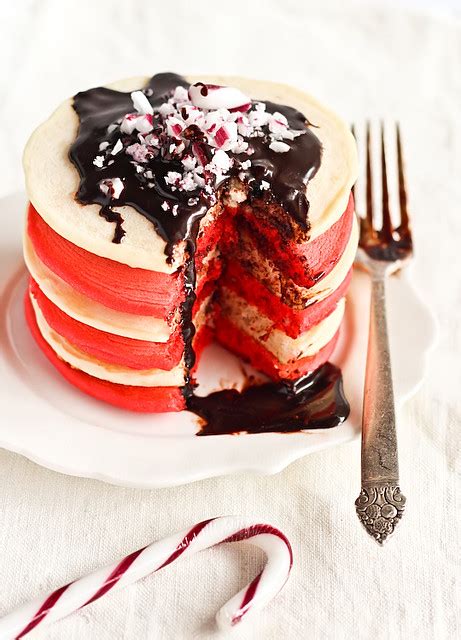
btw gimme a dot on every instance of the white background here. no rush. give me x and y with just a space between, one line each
363 60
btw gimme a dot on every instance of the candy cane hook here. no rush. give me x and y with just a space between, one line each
156 556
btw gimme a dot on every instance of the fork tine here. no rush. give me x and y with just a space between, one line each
386 229
355 183
369 183
404 219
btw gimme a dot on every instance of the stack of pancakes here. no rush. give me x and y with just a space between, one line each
109 315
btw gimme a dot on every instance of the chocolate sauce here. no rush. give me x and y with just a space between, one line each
315 401
187 324
113 216
287 173
97 109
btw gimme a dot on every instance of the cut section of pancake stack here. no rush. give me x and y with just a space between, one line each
110 314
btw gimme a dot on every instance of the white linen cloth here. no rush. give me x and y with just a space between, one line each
363 61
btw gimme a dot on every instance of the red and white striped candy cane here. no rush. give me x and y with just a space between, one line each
157 555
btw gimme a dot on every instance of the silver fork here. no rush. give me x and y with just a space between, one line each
382 251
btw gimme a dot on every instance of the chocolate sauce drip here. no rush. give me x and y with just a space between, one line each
315 401
113 216
97 109
187 324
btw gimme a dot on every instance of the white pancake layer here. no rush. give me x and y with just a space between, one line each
327 285
103 370
324 287
52 180
90 312
251 321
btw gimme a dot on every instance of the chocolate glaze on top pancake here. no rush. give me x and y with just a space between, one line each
287 173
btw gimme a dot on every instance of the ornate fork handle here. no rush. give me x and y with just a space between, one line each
380 504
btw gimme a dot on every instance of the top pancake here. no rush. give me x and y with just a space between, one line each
52 180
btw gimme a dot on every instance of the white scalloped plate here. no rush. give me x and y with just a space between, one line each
47 420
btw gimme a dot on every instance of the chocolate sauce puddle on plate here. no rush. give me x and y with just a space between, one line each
316 401
313 402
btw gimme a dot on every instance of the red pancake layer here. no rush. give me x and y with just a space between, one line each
260 358
305 263
108 347
142 399
145 292
113 284
290 321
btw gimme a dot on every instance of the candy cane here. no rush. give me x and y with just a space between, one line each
157 555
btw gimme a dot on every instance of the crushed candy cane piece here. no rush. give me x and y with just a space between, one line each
118 146
226 135
189 163
211 96
279 147
112 187
144 123
172 177
129 123
139 152
141 103
222 160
